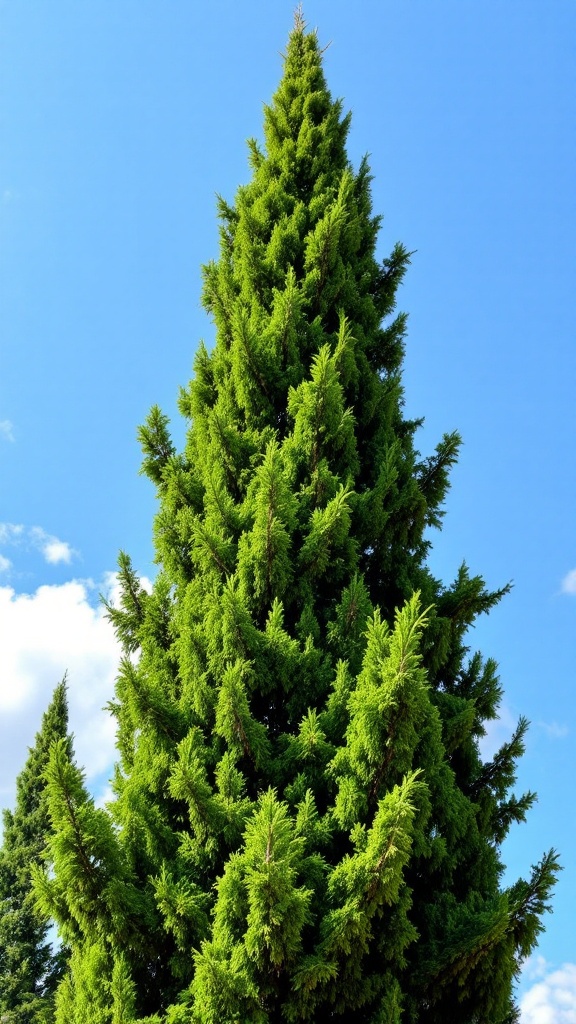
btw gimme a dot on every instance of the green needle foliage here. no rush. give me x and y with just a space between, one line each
303 826
29 968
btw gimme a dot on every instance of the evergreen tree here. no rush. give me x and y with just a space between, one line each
303 826
29 968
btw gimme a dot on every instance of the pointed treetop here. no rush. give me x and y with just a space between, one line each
299 23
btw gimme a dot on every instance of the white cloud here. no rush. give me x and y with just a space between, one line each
52 548
7 430
105 797
551 1000
5 563
535 966
55 551
569 582
54 630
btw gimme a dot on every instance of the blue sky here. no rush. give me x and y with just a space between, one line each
118 124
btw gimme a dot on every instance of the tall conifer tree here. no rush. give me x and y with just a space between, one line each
303 824
29 967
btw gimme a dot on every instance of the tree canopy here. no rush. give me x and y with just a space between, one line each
303 825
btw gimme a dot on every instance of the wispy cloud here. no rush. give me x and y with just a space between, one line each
498 732
552 999
7 430
54 550
10 532
5 564
554 730
568 585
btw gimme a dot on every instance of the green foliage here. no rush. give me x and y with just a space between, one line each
29 967
303 825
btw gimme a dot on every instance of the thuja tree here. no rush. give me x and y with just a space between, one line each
303 826
29 967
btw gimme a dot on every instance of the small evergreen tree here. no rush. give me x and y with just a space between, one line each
29 968
303 824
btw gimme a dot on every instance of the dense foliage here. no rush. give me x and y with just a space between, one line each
303 826
29 968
